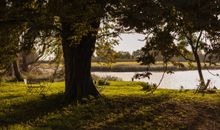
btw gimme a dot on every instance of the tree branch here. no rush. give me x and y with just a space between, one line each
189 40
185 56
197 42
107 34
161 79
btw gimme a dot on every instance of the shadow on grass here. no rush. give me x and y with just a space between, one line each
71 116
162 113
116 113
30 110
9 97
207 117
108 113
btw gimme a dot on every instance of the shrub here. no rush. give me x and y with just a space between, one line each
109 78
102 82
147 87
112 78
95 77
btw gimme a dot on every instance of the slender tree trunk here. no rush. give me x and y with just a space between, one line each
77 60
24 65
199 68
198 62
16 70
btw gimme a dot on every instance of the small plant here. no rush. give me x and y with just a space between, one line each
181 88
95 77
211 90
112 78
145 86
109 78
148 87
102 82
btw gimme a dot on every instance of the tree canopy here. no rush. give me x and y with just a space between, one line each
172 28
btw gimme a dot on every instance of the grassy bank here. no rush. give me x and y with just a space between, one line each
124 106
136 67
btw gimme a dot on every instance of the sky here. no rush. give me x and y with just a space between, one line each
130 42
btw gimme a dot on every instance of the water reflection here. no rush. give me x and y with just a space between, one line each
187 79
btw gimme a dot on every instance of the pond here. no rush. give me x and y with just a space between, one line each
187 79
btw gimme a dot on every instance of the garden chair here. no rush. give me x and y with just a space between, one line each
34 87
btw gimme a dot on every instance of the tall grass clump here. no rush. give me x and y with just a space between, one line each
109 78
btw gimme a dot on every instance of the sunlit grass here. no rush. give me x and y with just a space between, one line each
123 106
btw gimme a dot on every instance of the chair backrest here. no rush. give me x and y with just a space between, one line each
25 81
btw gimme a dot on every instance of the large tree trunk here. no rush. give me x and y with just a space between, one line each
77 60
16 71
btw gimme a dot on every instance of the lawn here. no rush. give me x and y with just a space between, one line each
123 106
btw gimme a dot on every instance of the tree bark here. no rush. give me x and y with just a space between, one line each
199 68
24 65
197 59
17 72
77 60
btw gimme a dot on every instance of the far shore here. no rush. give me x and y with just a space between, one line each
135 67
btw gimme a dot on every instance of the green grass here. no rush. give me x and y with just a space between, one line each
124 106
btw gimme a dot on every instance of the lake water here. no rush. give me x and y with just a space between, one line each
187 79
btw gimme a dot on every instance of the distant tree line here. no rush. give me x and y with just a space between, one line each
118 56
